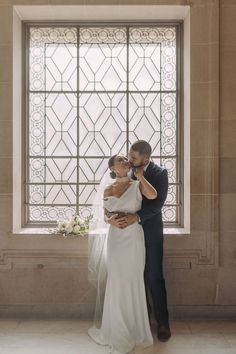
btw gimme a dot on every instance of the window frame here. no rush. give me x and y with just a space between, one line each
179 104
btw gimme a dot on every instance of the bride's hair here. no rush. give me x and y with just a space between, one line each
111 164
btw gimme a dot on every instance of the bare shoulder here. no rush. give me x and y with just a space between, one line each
108 191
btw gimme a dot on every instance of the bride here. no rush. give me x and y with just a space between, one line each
124 323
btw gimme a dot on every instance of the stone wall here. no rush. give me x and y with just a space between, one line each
46 275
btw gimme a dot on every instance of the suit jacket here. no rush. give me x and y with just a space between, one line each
150 214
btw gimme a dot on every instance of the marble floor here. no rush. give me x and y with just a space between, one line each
63 336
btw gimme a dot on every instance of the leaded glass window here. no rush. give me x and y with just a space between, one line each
91 92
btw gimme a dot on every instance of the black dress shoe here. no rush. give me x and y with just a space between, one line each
163 332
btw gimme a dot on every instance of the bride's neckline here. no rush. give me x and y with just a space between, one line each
113 196
122 179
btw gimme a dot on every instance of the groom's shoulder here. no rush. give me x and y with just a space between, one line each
156 168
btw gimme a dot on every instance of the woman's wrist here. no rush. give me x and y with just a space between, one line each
141 178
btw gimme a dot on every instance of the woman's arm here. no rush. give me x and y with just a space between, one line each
155 207
145 187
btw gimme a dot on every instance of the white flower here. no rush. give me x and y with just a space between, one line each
71 222
74 225
61 226
76 229
69 228
79 221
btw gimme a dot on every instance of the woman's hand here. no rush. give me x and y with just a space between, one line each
139 172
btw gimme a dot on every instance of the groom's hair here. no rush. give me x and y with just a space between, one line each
143 147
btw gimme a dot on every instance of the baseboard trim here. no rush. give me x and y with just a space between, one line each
85 311
47 311
198 312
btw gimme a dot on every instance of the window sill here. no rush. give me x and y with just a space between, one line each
176 231
44 231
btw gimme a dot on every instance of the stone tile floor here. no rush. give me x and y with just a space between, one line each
69 336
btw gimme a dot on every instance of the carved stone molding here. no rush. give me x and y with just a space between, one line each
21 258
204 256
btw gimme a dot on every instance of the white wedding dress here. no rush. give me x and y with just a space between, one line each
125 322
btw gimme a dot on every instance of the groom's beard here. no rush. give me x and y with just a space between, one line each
134 169
141 165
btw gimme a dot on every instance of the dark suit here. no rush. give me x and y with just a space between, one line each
151 220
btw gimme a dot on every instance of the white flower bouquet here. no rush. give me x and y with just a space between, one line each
75 226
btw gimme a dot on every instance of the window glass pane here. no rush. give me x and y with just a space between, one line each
52 194
170 165
53 59
36 124
91 170
102 126
44 214
61 124
102 59
152 58
169 214
168 122
145 119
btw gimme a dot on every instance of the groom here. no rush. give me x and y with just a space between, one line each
150 217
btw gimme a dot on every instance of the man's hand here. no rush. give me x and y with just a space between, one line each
131 218
128 220
117 221
122 221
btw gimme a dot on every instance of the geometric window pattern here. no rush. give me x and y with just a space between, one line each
93 91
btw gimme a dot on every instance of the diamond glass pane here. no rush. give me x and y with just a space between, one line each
93 91
108 72
102 129
153 58
52 194
61 170
61 124
91 170
86 193
53 170
144 67
145 120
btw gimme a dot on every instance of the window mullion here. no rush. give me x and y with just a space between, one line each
78 152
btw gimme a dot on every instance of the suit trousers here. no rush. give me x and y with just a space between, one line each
154 279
